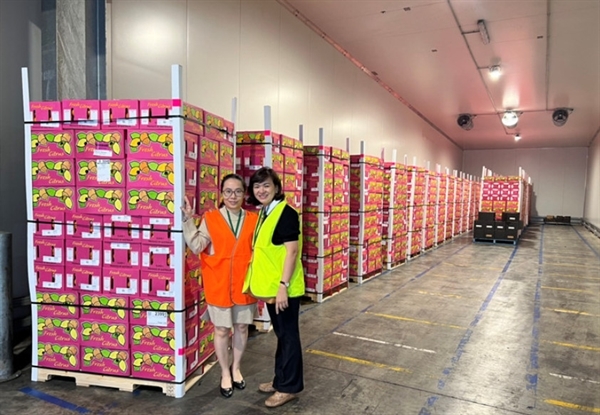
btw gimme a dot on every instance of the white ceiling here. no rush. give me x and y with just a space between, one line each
549 52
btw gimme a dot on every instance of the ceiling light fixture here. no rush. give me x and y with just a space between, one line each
465 121
495 71
510 119
517 137
560 116
485 37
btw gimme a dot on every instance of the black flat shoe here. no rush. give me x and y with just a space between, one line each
239 385
226 392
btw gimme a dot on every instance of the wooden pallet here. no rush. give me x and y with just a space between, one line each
392 265
125 384
363 278
320 297
496 241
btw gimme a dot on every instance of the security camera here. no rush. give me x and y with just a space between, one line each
560 116
465 121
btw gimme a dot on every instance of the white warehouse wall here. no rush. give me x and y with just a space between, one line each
592 192
259 52
558 175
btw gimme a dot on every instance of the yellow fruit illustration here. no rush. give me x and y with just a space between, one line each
121 339
137 362
106 138
171 148
41 326
123 366
62 298
172 344
41 352
171 207
67 148
164 306
171 178
67 175
163 334
118 177
87 331
72 309
73 361
113 355
137 336
73 334
161 167
121 313
64 350
112 329
118 205
64 324
88 357
173 371
69 203
163 360
116 148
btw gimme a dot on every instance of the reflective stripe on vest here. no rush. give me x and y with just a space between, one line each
266 269
223 273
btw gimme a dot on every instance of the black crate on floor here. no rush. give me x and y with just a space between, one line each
511 216
486 216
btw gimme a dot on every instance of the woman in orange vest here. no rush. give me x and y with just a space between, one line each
224 239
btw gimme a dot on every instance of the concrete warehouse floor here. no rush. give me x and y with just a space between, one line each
468 328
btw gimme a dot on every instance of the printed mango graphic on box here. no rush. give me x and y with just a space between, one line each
99 200
105 307
99 144
52 172
57 330
51 144
53 199
147 338
150 202
106 361
87 173
101 334
150 144
153 365
58 356
151 174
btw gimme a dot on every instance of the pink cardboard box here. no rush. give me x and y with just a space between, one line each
49 276
122 254
154 366
58 356
156 112
209 151
152 339
224 171
58 330
122 281
53 199
103 144
152 311
290 164
120 113
192 358
57 172
208 176
206 346
84 279
86 252
105 361
49 250
81 113
151 174
45 114
191 173
124 228
157 283
83 225
98 333
105 307
104 173
154 144
59 304
49 224
226 156
99 200
190 141
217 127
157 229
148 202
191 332
207 199
158 257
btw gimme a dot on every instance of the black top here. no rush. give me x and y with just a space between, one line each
288 227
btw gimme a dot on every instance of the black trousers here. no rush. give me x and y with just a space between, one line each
289 374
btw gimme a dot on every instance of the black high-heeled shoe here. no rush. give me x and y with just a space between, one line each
238 385
226 392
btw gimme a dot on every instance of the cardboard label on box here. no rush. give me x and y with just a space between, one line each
102 172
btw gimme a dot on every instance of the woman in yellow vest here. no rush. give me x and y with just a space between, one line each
276 275
224 240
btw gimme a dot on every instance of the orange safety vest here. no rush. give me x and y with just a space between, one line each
223 273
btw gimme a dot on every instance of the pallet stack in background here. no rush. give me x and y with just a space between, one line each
394 228
442 208
326 223
287 160
430 208
366 216
415 209
116 290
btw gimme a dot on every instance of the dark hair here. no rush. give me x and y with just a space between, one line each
235 177
261 175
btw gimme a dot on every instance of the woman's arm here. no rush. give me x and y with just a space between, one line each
197 239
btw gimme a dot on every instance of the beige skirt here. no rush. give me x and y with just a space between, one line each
228 316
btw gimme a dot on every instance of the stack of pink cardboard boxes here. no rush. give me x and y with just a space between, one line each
366 216
442 207
450 212
106 250
394 228
287 160
326 223
501 194
416 188
430 210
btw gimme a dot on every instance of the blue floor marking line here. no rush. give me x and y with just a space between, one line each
54 400
533 369
388 294
586 242
426 409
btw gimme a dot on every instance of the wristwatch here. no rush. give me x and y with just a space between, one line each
287 284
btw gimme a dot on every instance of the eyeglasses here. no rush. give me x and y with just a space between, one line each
228 193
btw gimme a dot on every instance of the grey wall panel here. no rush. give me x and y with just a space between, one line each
592 191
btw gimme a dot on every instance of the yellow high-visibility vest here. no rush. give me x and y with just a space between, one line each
266 268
